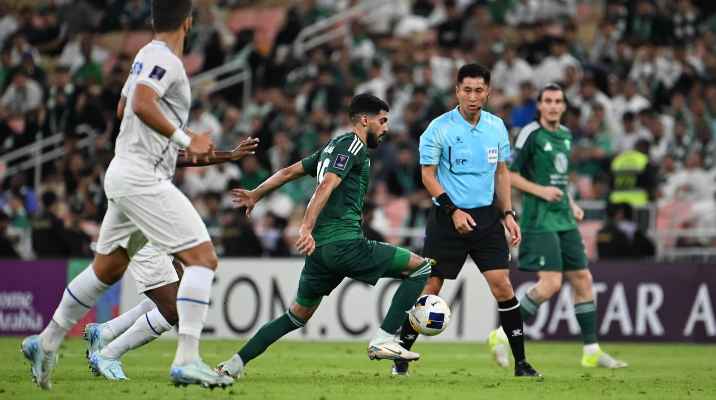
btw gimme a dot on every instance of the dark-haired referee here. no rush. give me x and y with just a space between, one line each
463 154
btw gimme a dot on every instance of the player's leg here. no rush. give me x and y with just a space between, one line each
585 309
448 250
316 281
295 317
168 219
392 262
541 253
99 335
80 295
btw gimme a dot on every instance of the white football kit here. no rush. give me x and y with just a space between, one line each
142 197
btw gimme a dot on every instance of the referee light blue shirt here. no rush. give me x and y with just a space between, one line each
466 156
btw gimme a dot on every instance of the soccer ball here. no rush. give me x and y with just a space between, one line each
430 315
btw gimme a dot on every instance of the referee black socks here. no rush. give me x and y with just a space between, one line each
511 321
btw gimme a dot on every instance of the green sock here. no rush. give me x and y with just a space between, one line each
586 314
528 307
405 297
269 333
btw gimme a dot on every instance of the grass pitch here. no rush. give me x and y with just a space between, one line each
324 371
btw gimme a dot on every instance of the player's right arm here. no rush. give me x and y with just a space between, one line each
249 198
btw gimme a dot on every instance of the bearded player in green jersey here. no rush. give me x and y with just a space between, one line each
551 243
332 240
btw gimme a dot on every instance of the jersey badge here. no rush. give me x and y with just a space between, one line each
341 161
547 147
492 155
157 73
567 144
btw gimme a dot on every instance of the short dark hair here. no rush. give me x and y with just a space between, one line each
168 15
366 103
473 71
551 87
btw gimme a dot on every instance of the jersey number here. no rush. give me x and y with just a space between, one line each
321 169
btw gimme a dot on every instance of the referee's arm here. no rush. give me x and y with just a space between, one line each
504 201
463 221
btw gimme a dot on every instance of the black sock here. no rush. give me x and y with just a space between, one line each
511 321
408 335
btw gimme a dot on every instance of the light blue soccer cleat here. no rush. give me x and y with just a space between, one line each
41 362
198 373
93 336
107 367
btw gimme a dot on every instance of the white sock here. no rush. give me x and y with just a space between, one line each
192 306
381 337
80 295
146 328
115 327
591 348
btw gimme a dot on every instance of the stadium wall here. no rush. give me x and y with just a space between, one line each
637 302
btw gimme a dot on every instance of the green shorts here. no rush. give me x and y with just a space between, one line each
552 251
360 259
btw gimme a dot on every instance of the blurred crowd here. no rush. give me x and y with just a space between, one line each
637 74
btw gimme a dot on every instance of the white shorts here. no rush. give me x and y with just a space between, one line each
167 219
152 268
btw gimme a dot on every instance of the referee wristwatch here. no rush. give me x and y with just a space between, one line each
511 212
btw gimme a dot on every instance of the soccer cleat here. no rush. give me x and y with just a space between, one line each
198 373
93 335
391 351
500 347
41 362
400 368
523 368
107 367
601 359
233 367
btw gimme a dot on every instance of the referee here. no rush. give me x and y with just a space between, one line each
463 154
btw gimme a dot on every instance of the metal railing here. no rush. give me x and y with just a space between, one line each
333 27
231 73
39 152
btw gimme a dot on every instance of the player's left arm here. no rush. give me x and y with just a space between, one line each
305 243
120 107
246 147
576 209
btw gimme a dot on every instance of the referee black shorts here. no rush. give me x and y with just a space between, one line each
486 244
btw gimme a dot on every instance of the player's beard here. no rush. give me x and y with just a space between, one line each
373 140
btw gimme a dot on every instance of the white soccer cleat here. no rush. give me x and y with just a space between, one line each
500 347
41 362
93 335
107 367
233 367
603 360
198 373
391 351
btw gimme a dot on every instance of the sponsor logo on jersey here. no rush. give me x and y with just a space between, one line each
157 73
341 161
492 155
136 68
329 149
567 144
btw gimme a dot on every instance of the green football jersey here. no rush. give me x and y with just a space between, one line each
347 157
543 157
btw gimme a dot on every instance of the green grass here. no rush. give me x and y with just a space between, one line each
319 370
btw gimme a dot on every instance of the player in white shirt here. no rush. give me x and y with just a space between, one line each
143 198
156 275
